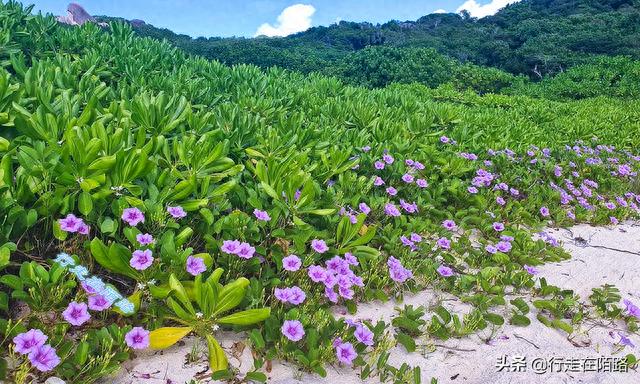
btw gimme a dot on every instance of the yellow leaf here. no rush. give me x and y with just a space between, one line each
162 338
217 358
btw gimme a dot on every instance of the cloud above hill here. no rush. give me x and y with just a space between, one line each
481 10
295 18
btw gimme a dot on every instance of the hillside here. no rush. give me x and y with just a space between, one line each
533 38
543 34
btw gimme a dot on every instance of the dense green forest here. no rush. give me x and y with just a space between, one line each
525 42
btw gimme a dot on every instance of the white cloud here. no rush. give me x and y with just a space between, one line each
478 10
296 18
440 11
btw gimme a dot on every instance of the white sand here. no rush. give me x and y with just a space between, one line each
600 255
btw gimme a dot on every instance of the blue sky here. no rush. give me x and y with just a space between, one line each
269 17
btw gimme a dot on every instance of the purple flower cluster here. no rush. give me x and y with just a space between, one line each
338 274
411 240
32 343
292 295
397 271
240 249
73 224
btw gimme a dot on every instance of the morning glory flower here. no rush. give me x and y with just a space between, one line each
176 212
137 338
261 215
29 341
44 358
132 216
141 260
195 265
346 353
292 330
76 313
144 239
291 263
319 246
445 271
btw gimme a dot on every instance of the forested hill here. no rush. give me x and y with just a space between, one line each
530 37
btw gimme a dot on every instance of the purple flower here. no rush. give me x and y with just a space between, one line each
379 165
246 251
291 263
141 260
544 211
531 270
499 227
98 303
176 212
614 220
296 295
491 249
28 341
144 239
293 330
632 309
319 246
350 259
472 190
261 215
422 183
500 201
392 191
504 246
83 229
610 205
418 165
282 294
133 216
346 353
76 313
195 265
70 223
410 208
363 334
388 159
444 243
416 238
444 139
625 341
391 210
44 358
506 238
407 178
366 148
449 225
397 272
230 247
445 271
378 181
317 273
137 338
